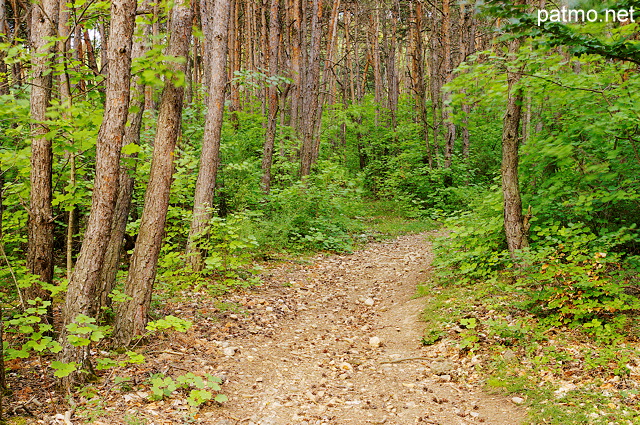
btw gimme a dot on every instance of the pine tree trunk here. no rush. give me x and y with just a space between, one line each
348 57
310 101
4 28
234 62
274 41
467 48
215 26
435 71
417 77
126 179
131 317
65 99
446 77
329 80
296 65
84 281
392 73
374 45
40 234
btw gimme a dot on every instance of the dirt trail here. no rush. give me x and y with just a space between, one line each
333 341
305 350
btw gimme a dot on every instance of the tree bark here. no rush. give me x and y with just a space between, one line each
126 179
131 317
40 233
296 65
215 27
392 73
81 290
417 71
67 101
435 72
446 77
272 92
374 45
310 101
514 227
234 62
4 28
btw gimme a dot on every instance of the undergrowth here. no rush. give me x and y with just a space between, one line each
556 324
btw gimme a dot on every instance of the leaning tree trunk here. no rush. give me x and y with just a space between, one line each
40 232
514 227
80 298
126 180
215 26
131 317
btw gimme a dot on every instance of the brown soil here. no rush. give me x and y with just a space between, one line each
299 350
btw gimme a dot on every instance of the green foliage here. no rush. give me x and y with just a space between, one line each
567 282
29 333
169 322
201 389
316 214
474 248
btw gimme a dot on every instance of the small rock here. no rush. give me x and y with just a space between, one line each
517 400
369 302
375 342
441 368
269 309
564 389
509 356
444 378
229 351
345 366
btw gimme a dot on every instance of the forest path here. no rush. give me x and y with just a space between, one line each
301 351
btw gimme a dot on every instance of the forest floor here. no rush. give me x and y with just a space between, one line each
329 340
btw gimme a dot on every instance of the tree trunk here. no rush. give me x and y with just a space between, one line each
296 65
81 290
467 48
274 42
40 233
234 62
349 61
435 72
4 28
392 73
446 77
417 77
329 80
126 180
131 317
374 43
514 227
66 100
310 102
215 26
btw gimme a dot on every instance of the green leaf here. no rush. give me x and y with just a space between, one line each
221 398
63 369
131 148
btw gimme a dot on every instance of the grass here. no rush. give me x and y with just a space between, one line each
386 220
